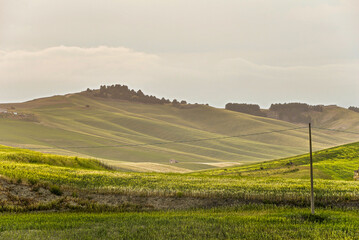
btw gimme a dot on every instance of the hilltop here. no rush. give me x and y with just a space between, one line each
92 124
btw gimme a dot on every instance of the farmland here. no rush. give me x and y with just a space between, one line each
78 125
174 120
219 184
259 200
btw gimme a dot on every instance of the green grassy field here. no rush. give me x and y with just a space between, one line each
18 155
337 163
256 185
64 123
259 201
242 222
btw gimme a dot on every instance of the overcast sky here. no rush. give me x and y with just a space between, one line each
206 51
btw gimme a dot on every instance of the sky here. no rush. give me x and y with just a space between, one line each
204 51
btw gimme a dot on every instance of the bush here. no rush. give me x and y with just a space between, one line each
179 194
55 190
33 181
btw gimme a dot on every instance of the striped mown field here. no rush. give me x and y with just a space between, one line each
89 127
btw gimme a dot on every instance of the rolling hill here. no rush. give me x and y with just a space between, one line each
337 163
133 135
333 117
35 181
49 196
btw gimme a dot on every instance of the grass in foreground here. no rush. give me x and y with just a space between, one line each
265 189
243 222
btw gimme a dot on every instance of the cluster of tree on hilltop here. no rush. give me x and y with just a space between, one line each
124 93
291 112
294 112
355 109
252 109
298 107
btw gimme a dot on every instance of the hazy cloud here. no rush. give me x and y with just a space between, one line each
197 78
277 32
204 51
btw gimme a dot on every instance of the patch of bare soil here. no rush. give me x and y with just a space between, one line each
161 202
19 196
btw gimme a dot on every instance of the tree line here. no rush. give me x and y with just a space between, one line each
297 107
122 92
292 112
252 109
355 109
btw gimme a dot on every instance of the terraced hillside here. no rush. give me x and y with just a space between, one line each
123 133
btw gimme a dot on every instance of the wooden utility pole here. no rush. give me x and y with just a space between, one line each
311 171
